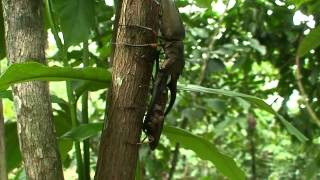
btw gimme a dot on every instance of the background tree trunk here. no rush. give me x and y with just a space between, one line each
3 164
25 40
131 74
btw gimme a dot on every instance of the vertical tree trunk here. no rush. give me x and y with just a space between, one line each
3 165
132 68
25 40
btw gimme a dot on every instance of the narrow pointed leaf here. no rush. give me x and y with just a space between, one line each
251 99
206 151
76 19
23 72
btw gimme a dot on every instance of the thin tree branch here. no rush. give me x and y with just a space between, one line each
303 93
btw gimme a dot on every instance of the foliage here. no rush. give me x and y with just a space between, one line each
310 42
17 73
238 95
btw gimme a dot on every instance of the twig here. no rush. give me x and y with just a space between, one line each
304 96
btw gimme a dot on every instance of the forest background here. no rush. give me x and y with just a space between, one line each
248 98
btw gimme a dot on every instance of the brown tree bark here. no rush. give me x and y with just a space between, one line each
3 164
131 74
25 40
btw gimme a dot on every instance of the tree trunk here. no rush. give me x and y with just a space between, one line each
131 74
3 164
25 40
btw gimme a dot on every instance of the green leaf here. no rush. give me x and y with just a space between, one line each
241 61
182 3
202 33
192 113
312 168
62 122
76 18
220 128
64 146
138 171
251 99
56 99
311 41
23 72
83 132
215 66
82 86
255 44
204 3
216 105
243 103
13 155
205 150
6 94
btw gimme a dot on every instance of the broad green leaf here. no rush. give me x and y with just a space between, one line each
251 99
182 3
311 41
64 146
6 94
76 19
81 86
204 3
62 122
83 132
205 150
13 155
23 72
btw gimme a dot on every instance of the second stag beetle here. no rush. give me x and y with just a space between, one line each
173 33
